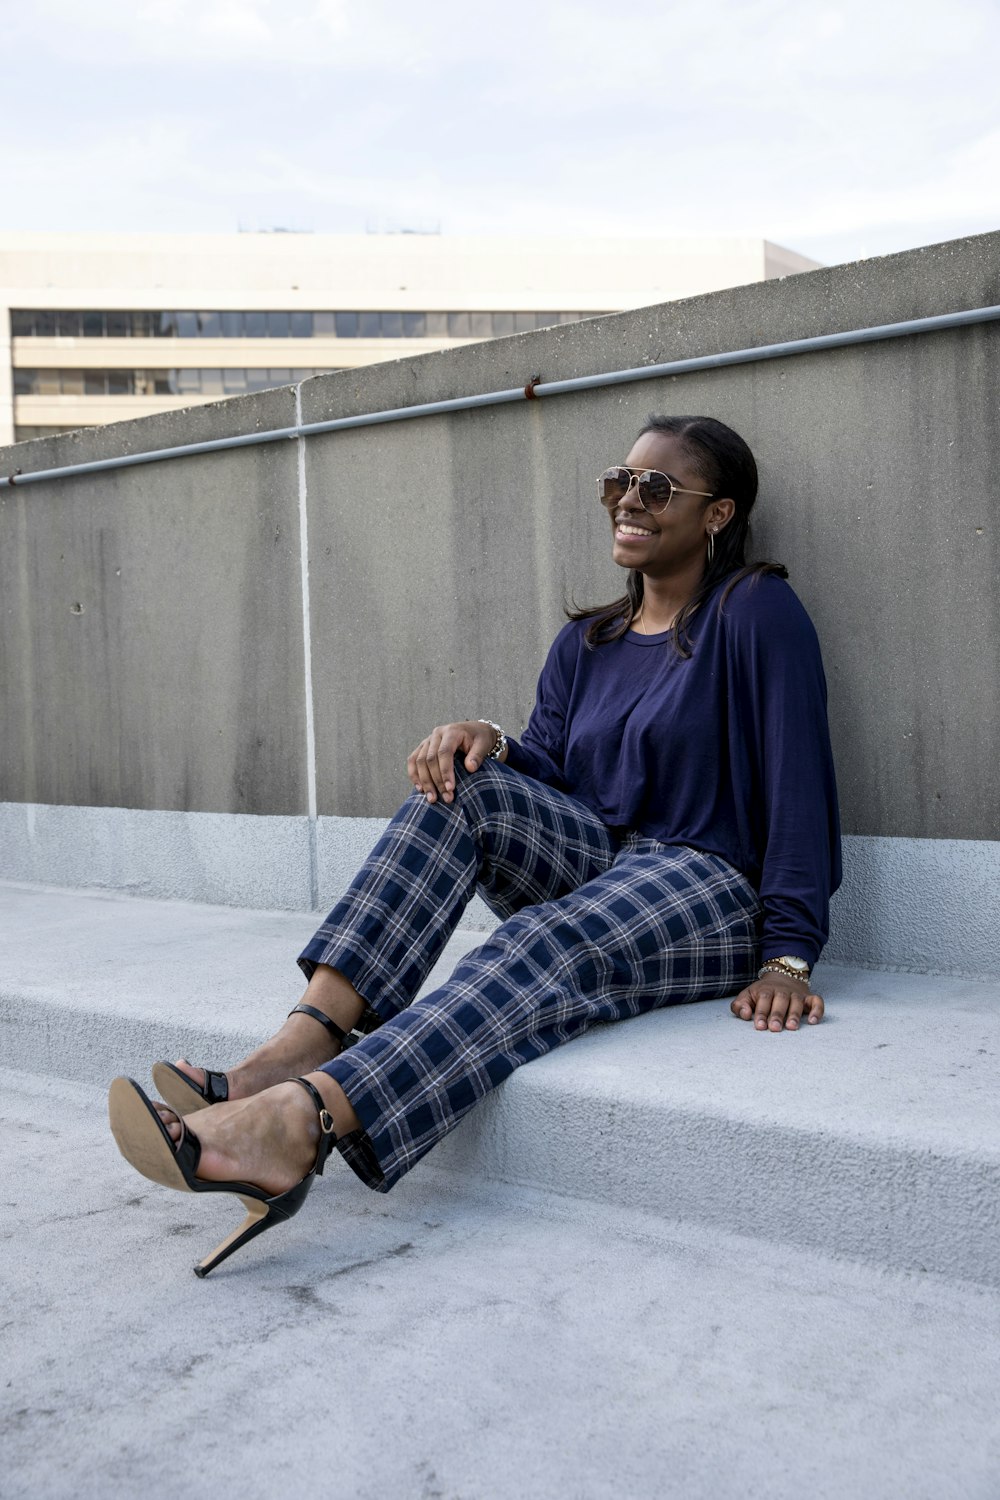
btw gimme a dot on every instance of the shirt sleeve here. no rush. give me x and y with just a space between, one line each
541 751
780 713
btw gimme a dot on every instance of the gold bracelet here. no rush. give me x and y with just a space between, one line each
775 966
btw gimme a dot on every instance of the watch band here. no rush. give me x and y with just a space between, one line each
792 968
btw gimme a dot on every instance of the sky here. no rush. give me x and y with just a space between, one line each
839 130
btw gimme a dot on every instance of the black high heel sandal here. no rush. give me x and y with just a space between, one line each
186 1097
145 1143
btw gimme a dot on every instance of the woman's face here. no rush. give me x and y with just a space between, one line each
678 536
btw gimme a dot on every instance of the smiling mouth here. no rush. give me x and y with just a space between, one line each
625 528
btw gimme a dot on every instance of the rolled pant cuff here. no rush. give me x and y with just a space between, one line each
358 1148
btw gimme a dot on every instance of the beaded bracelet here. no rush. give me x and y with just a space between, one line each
775 966
500 747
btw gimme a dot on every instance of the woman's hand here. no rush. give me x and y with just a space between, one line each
776 1002
431 766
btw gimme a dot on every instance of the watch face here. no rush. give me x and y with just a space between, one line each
797 963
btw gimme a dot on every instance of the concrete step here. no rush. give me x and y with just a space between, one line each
874 1135
458 1339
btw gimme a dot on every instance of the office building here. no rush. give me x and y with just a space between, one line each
98 327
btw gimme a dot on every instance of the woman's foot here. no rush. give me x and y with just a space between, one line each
268 1141
301 1045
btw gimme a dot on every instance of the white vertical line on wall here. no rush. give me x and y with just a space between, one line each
307 656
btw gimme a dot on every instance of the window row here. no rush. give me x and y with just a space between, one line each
22 432
152 382
28 323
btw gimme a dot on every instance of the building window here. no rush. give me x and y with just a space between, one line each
190 382
22 432
42 323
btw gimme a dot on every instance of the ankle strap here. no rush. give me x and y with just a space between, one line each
328 1136
335 1031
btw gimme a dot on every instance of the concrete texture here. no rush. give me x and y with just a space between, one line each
874 1135
151 652
230 859
455 1343
925 905
447 1342
876 491
440 552
225 859
931 906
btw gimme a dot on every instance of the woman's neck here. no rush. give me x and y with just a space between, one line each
664 598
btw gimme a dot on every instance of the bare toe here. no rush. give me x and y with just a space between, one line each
168 1119
197 1075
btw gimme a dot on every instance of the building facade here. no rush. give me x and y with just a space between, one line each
95 328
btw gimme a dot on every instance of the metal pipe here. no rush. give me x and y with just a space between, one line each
533 390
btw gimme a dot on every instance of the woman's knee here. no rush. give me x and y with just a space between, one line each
485 793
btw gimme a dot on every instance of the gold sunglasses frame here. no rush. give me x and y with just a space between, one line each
636 476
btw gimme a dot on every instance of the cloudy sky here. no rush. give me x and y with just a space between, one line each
841 130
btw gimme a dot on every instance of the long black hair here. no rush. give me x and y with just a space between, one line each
722 459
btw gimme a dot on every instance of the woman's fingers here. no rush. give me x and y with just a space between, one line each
442 766
815 1008
769 1007
777 1007
481 742
431 766
742 1006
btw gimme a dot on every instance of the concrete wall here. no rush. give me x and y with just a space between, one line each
153 650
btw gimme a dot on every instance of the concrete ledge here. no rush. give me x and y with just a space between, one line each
226 859
231 859
920 905
873 1135
929 906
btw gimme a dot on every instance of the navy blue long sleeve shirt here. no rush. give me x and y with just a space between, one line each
727 751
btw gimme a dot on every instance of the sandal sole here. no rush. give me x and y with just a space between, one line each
140 1136
179 1092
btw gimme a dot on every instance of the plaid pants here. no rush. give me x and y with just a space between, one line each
594 931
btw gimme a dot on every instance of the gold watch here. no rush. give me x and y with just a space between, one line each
789 965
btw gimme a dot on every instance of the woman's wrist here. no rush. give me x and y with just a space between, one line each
789 965
499 751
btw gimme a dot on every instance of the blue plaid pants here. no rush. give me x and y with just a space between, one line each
594 930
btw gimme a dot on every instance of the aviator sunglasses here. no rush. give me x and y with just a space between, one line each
655 490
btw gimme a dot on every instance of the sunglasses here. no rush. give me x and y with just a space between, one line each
655 490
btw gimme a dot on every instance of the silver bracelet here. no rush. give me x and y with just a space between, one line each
500 748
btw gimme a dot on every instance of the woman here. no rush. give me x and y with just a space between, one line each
666 831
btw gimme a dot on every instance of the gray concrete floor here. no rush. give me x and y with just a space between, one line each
454 1342
674 1259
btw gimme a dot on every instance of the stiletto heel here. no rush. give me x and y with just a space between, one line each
186 1097
145 1142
